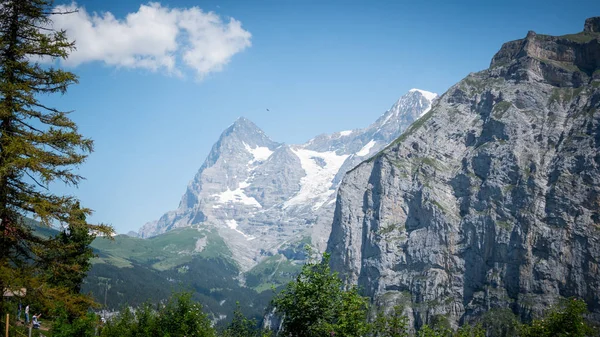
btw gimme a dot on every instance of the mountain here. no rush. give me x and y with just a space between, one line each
242 224
491 199
266 198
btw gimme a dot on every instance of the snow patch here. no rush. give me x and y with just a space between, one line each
425 111
236 196
366 149
387 118
260 153
428 95
231 223
346 133
315 187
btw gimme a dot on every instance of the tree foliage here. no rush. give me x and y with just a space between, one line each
393 325
241 326
566 319
315 304
65 326
500 323
440 331
39 145
68 263
179 317
427 331
470 331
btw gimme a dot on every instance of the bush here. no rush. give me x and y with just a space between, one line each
85 326
566 319
427 331
500 323
393 325
470 331
180 316
241 326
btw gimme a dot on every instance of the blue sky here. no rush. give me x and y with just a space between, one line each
318 66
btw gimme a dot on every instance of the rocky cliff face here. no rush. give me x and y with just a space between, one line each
264 197
492 199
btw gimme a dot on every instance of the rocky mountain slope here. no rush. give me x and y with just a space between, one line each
492 198
267 198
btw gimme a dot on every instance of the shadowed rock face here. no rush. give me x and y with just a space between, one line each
592 25
489 200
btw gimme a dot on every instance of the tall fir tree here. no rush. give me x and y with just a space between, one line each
39 145
66 263
69 262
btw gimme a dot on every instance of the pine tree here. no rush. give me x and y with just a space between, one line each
39 144
68 263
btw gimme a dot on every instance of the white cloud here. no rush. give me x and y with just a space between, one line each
154 38
211 42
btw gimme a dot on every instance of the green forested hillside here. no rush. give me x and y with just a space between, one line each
160 252
131 271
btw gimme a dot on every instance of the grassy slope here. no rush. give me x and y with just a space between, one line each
162 252
131 271
274 271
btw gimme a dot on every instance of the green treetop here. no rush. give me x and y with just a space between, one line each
316 304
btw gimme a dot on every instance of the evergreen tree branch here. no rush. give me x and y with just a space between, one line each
38 183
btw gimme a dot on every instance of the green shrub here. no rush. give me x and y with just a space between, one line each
393 325
241 326
179 317
566 319
427 331
79 327
500 323
470 331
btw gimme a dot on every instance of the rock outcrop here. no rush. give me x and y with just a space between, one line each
490 200
592 25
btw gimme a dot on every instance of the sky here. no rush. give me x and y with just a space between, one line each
159 81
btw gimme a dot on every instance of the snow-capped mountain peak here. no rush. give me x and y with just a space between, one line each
406 110
428 95
245 131
252 187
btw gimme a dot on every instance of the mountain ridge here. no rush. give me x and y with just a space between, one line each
252 187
